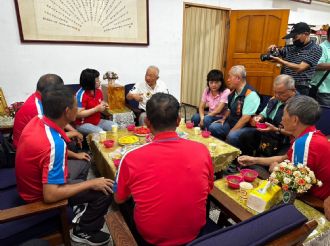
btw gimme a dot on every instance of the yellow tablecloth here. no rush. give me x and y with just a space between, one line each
309 212
221 157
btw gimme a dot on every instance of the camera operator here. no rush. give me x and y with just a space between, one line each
300 59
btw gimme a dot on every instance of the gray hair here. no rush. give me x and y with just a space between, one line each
239 70
287 80
154 68
305 108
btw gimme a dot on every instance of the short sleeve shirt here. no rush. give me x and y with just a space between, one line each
310 54
29 109
316 156
171 184
214 101
40 162
147 91
87 100
325 58
251 104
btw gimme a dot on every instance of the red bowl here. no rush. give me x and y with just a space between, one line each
233 181
116 162
108 143
189 125
131 127
261 125
206 134
249 175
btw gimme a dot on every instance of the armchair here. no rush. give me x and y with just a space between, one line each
283 225
20 222
132 104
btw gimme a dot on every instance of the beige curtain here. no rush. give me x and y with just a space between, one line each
204 45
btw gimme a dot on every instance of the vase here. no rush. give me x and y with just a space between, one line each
289 196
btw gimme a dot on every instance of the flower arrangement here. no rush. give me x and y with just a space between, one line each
295 178
13 108
110 75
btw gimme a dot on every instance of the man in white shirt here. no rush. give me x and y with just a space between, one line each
142 91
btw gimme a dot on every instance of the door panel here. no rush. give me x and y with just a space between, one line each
251 32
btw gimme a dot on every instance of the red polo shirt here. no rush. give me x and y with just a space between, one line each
29 109
87 100
169 180
318 154
41 161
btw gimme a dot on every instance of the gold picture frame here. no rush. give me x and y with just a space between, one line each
81 21
3 103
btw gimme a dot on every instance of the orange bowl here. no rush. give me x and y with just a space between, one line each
108 143
189 125
249 175
206 134
261 125
233 181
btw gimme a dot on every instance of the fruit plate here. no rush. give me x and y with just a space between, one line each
141 131
126 140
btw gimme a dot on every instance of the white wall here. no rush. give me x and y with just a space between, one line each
22 64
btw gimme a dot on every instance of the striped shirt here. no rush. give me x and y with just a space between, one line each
310 53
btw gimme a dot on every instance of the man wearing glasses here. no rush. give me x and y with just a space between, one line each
300 59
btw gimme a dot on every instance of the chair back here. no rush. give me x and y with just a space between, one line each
323 122
130 103
74 87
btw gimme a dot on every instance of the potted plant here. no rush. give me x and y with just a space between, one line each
294 179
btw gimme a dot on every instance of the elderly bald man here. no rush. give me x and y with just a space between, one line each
142 91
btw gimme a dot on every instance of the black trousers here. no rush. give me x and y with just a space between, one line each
92 219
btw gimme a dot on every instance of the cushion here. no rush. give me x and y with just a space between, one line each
7 178
257 230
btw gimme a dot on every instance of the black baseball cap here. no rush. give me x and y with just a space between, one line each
298 28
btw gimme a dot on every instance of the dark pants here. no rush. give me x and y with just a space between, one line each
207 120
250 142
78 170
97 206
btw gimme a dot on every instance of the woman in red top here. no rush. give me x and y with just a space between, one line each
91 104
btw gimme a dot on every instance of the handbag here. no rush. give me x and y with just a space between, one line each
313 90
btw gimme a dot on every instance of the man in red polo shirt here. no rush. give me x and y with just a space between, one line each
310 147
79 163
32 105
169 179
42 168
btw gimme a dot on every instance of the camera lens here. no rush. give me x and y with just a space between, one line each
265 57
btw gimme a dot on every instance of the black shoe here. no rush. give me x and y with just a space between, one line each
90 238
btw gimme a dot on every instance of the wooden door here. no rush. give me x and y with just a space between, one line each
250 34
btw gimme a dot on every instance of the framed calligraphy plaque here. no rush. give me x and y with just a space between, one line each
83 21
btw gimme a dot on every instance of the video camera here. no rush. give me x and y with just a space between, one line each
273 52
